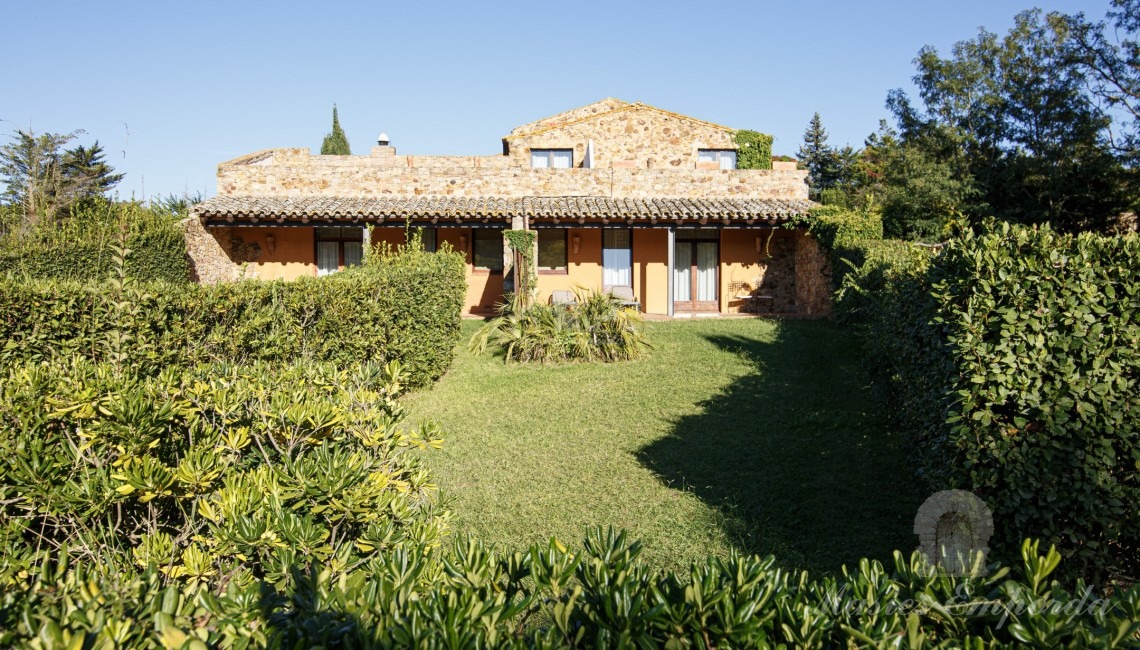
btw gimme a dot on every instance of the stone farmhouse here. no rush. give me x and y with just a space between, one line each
623 196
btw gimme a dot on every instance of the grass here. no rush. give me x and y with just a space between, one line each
753 435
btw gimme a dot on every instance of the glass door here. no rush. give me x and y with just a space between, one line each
695 276
705 269
683 276
617 259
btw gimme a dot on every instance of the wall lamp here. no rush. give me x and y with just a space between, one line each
575 244
270 243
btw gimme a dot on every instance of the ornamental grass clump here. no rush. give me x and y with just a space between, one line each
597 327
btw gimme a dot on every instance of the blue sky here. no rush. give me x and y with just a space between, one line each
172 89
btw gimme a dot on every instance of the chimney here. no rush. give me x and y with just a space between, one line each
384 147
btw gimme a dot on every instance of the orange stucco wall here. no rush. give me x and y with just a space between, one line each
739 264
651 269
583 269
293 255
390 236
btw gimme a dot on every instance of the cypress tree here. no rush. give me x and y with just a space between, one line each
335 143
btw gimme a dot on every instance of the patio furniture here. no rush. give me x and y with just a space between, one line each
753 302
563 298
624 295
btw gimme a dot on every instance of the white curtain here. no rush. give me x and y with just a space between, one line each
353 253
539 159
328 257
617 259
728 160
682 271
706 156
706 271
563 159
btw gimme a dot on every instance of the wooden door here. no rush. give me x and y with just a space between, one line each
695 277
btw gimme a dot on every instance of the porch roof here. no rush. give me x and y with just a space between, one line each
258 209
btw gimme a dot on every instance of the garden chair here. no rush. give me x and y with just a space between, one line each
563 298
624 295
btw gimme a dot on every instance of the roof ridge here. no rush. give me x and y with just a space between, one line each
682 116
624 104
628 106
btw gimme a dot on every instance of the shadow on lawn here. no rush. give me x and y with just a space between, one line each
793 457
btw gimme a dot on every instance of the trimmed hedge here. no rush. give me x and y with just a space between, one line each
1044 421
80 248
1012 359
403 306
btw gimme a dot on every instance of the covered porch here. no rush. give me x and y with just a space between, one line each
678 257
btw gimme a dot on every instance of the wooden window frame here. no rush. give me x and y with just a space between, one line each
483 270
559 270
435 237
602 253
340 240
681 236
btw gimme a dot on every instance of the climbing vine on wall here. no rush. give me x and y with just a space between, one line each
522 244
754 150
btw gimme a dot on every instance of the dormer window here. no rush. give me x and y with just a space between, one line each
716 159
551 158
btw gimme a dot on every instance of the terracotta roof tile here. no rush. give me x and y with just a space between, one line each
256 209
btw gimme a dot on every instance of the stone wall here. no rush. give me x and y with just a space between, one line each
777 277
292 172
639 152
218 254
813 277
573 115
634 136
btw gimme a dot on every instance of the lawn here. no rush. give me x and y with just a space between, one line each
745 434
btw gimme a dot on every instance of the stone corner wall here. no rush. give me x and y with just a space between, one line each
813 277
213 252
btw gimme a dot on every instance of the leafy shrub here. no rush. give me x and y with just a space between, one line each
403 306
419 303
602 596
231 471
80 248
1011 359
595 328
1045 415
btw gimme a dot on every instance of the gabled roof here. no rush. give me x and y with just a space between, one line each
249 209
606 107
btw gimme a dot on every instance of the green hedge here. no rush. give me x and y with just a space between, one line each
403 306
80 247
1011 358
1044 421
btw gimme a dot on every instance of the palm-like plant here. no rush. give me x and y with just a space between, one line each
597 328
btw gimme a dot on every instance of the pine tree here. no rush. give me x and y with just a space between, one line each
45 180
818 157
335 143
88 171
